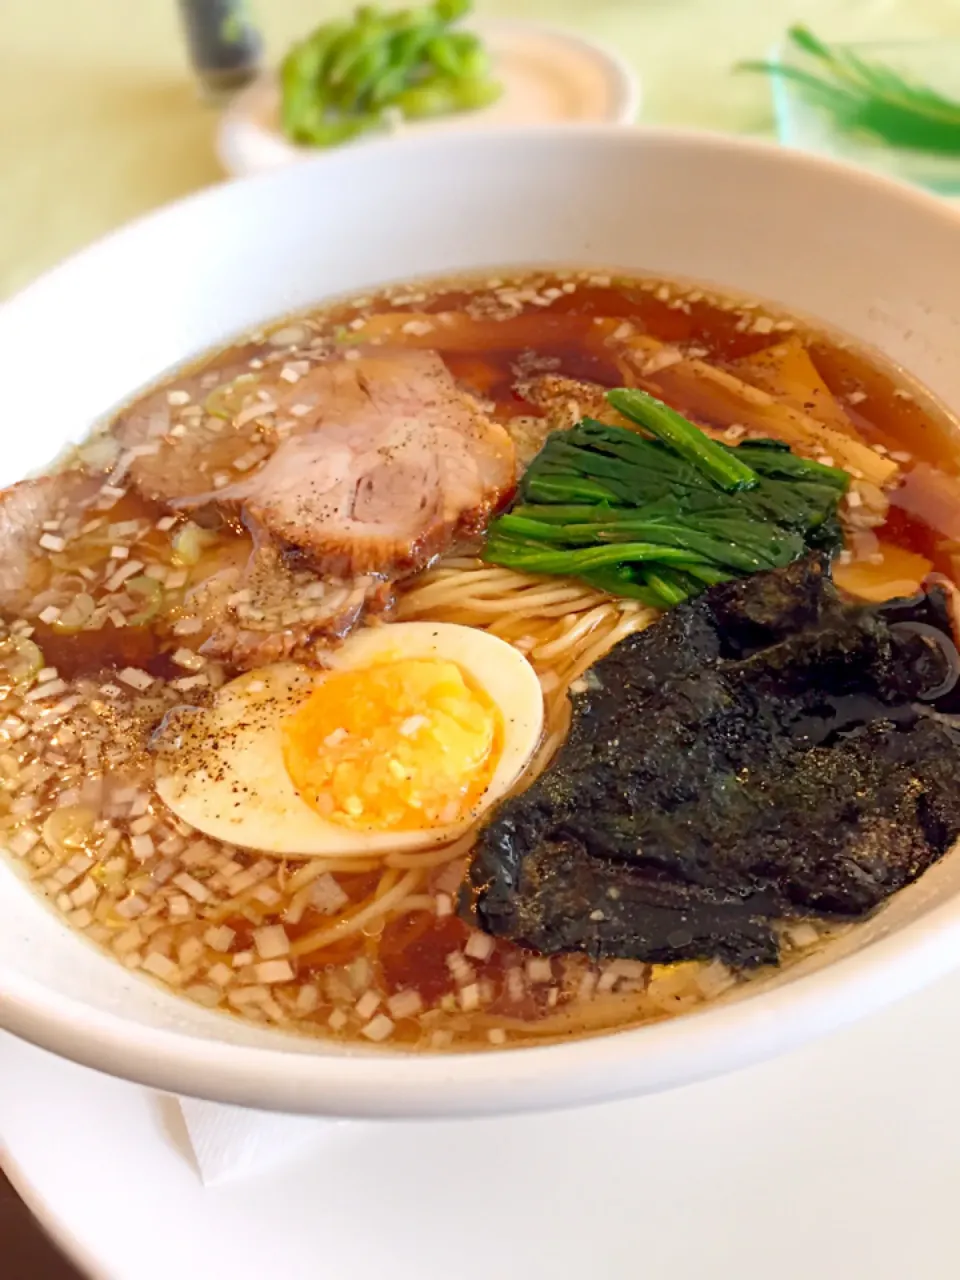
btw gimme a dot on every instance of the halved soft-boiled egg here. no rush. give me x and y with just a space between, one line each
411 732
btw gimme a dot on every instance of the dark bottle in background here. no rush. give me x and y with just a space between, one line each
225 46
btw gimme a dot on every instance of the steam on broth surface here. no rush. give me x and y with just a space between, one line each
153 646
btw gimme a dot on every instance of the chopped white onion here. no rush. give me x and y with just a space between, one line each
190 660
308 998
479 946
469 998
128 569
192 887
516 988
367 1005
405 1004
22 841
135 678
539 969
86 893
803 934
142 847
378 1029
326 895
270 971
197 852
221 974
461 971
161 967
219 938
130 940
49 689
271 942
189 952
588 985
209 997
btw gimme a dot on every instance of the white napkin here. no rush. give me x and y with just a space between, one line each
231 1142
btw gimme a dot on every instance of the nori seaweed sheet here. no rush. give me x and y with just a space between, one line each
764 751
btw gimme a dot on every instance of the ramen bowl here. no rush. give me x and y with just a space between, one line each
861 254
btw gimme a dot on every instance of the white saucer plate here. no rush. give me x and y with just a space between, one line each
841 1159
550 76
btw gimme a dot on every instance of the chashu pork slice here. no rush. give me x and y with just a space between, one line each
35 516
376 465
200 429
389 466
269 610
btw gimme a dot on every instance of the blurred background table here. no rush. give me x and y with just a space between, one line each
100 121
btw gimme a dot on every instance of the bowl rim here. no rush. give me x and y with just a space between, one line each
389 1084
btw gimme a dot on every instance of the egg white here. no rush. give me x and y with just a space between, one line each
221 768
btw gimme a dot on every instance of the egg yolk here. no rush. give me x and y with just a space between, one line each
402 745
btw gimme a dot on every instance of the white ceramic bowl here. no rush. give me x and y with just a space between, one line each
875 259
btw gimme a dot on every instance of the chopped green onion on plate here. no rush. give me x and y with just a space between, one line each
352 77
868 97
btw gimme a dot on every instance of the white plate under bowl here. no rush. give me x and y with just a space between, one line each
550 76
867 255
856 1137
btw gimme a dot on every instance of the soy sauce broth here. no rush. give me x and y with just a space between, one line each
502 332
